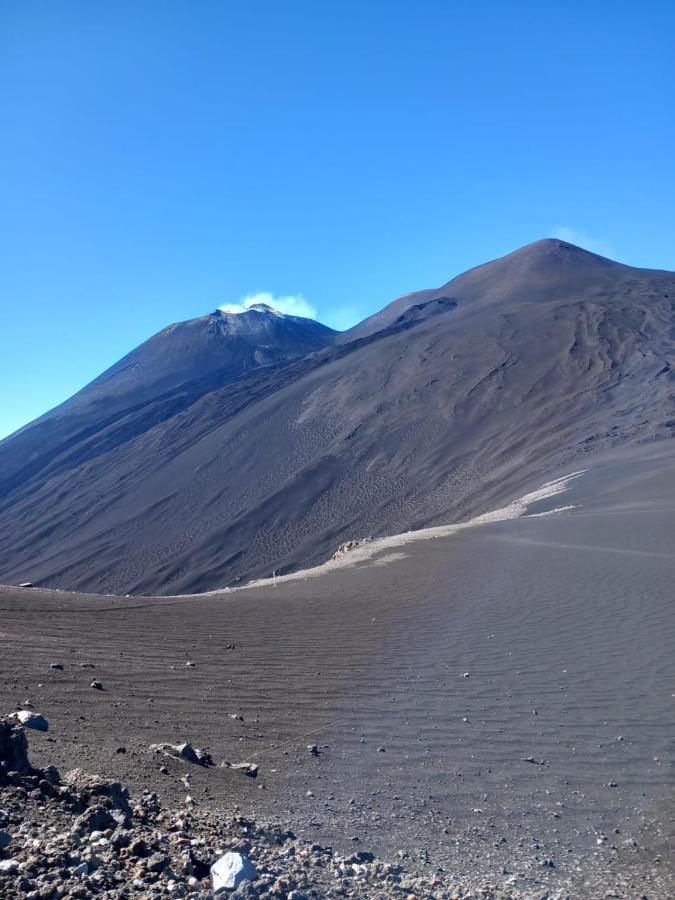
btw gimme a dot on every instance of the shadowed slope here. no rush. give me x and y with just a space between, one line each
465 399
151 383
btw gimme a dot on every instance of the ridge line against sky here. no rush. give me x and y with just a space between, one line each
162 160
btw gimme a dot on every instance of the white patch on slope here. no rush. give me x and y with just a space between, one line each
514 510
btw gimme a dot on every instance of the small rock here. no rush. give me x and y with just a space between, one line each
96 685
250 769
5 839
228 872
138 847
56 666
158 862
9 866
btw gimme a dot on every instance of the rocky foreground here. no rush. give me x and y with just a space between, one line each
80 835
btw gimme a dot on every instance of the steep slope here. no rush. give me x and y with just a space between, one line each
552 266
150 383
459 402
226 342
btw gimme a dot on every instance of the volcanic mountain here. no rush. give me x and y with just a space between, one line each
232 445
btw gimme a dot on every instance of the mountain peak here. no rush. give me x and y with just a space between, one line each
258 308
555 250
548 269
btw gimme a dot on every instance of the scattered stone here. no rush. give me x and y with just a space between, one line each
536 762
230 870
82 836
31 720
96 685
348 546
5 840
250 769
58 666
184 751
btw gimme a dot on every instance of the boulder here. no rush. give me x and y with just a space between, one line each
228 872
95 818
184 751
31 720
93 790
13 749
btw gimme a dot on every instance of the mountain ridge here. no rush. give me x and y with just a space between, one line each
456 403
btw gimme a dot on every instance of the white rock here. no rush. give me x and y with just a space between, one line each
31 720
9 866
230 870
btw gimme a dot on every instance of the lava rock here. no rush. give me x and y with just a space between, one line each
13 748
31 720
228 872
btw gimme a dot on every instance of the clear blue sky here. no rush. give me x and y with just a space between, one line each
159 159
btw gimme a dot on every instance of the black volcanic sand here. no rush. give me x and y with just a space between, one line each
557 747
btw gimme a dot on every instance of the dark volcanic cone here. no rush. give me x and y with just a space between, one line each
445 404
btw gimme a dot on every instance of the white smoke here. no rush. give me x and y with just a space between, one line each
289 304
574 236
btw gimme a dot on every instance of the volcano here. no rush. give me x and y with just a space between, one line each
233 445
